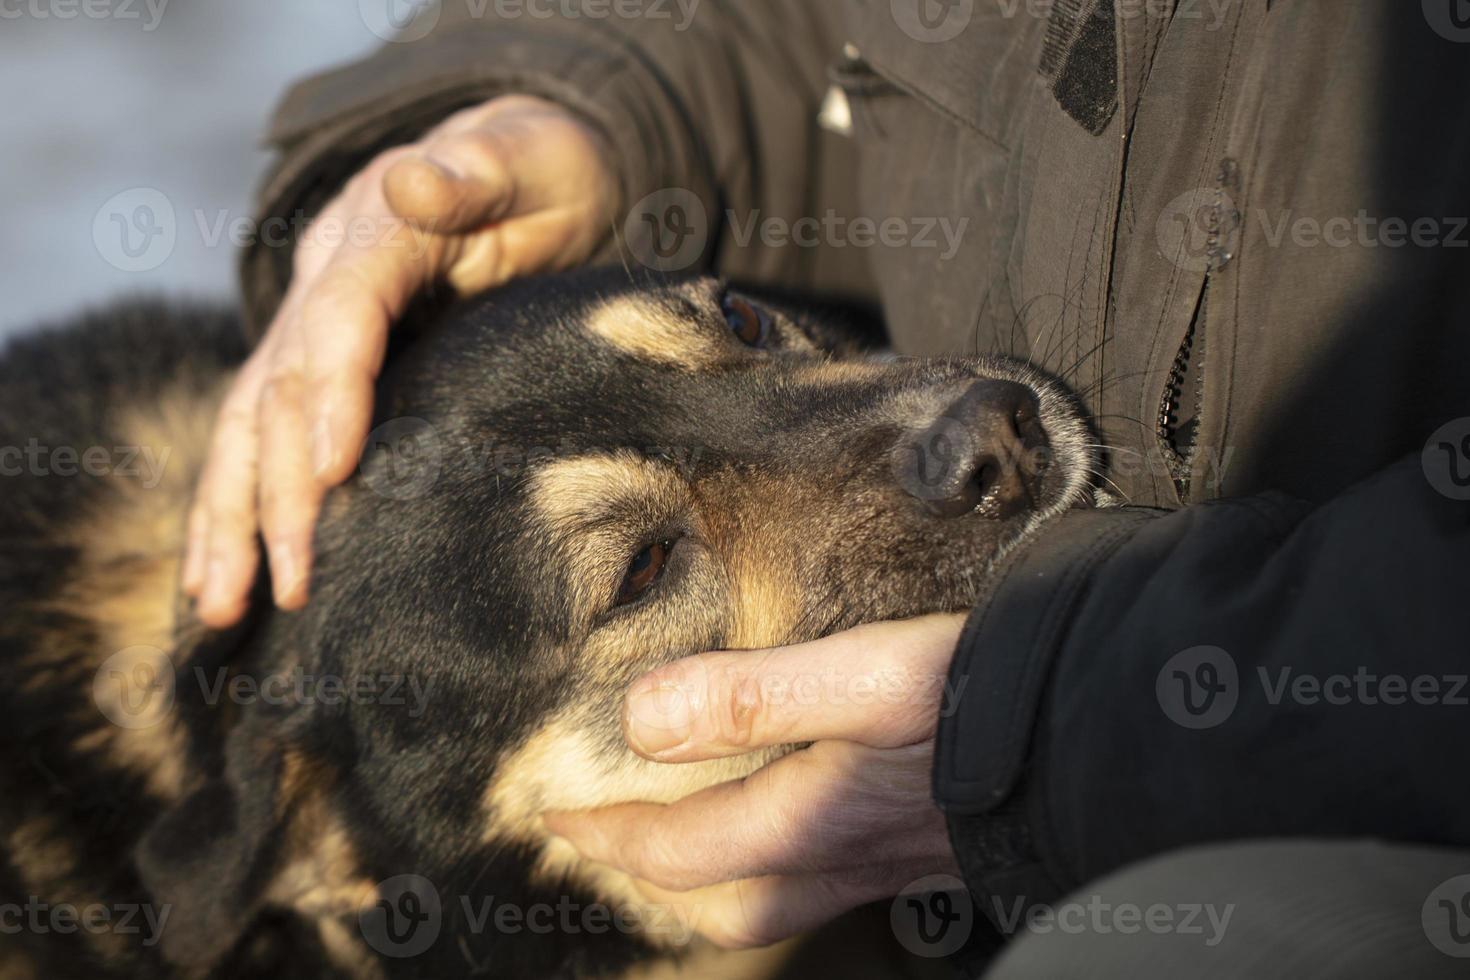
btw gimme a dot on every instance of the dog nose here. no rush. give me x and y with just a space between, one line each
984 454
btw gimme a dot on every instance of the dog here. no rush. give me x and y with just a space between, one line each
570 481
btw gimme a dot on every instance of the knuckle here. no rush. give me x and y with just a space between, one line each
655 860
480 145
739 708
274 508
727 934
232 523
279 392
746 922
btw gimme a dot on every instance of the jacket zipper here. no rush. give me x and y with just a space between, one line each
1224 239
1180 457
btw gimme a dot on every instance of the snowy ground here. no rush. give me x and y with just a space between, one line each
110 121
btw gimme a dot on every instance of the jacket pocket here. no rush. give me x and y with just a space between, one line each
970 60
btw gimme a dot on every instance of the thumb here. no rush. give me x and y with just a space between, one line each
453 186
879 685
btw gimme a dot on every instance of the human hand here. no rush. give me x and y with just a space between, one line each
815 833
514 186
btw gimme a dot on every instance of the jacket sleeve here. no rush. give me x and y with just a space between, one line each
1142 680
717 98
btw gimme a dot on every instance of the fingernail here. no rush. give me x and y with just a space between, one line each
286 570
657 717
321 444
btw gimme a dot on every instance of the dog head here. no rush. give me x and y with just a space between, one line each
570 482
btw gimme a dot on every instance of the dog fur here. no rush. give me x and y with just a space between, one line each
527 444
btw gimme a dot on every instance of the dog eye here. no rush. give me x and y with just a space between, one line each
643 571
750 325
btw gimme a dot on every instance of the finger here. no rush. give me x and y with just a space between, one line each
289 496
880 685
342 325
519 159
810 811
761 911
547 241
227 494
454 186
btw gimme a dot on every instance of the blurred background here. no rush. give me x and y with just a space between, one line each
117 112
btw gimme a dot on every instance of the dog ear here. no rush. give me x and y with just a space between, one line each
213 857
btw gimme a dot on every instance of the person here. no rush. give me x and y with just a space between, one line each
1234 228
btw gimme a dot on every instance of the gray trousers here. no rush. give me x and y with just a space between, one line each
1288 909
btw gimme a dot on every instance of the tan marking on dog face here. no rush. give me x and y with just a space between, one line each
596 511
742 587
760 528
652 331
765 587
565 767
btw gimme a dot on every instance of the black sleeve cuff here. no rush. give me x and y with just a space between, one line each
1005 652
999 676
